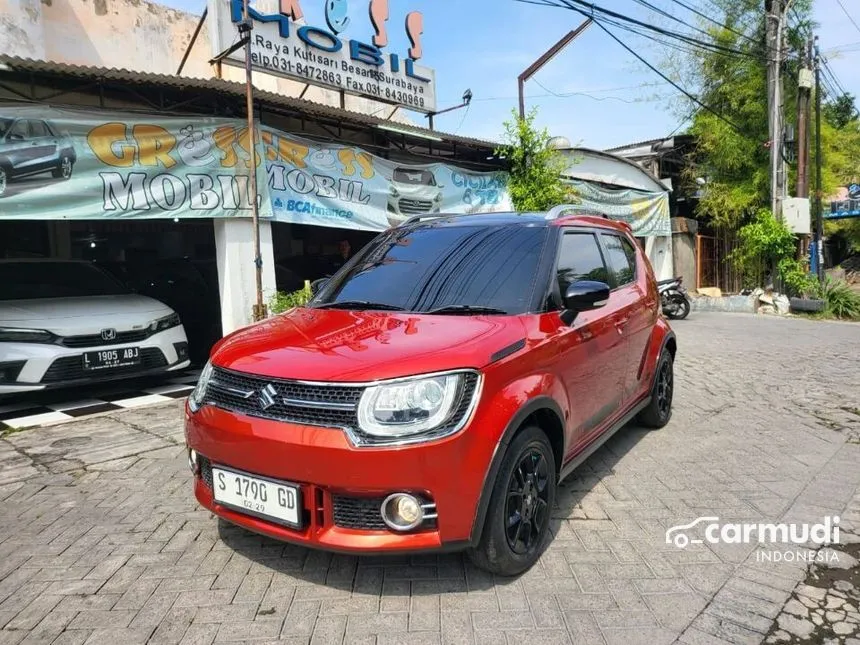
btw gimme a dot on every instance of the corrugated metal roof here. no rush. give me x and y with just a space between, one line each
15 63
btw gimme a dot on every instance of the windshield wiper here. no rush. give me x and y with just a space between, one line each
359 304
466 309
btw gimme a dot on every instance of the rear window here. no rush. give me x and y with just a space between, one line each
33 280
428 267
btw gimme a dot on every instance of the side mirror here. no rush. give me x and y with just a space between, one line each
317 285
583 295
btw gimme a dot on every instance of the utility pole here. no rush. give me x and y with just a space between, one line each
805 83
804 88
774 32
819 224
259 312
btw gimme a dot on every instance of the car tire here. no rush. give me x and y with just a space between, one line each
659 410
525 487
64 169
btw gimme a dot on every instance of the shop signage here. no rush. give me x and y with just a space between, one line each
646 213
346 187
71 164
284 45
66 164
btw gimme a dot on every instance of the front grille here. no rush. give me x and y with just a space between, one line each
294 402
361 513
415 206
95 340
70 368
324 405
205 470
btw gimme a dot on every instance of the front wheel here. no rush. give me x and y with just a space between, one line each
64 169
659 410
677 307
517 521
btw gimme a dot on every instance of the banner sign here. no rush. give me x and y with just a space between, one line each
283 44
646 213
346 187
66 164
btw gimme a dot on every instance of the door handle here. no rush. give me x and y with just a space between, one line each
619 325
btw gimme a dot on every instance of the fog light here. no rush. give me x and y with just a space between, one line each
192 460
402 512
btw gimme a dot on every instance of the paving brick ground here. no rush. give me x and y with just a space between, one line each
101 540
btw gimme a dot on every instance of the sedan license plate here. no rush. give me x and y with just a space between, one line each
110 358
264 498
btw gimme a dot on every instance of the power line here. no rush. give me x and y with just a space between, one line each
845 11
693 98
716 22
590 10
565 95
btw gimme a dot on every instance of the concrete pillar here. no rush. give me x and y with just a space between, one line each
659 252
234 250
60 235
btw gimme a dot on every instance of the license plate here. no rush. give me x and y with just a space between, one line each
109 358
265 498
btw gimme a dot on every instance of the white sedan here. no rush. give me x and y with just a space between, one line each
69 323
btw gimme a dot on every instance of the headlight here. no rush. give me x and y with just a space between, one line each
164 323
394 192
198 394
438 197
408 407
15 335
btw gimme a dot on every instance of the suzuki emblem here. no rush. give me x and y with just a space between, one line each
108 334
268 396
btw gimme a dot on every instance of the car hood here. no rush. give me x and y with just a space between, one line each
85 315
355 346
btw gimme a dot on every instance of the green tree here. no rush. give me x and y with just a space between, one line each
535 182
840 111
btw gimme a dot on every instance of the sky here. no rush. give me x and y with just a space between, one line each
594 92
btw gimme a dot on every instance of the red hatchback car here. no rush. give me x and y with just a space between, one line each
435 390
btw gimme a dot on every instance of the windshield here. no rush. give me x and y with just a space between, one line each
415 177
426 268
32 280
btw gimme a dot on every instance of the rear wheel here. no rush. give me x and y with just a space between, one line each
678 307
659 410
517 522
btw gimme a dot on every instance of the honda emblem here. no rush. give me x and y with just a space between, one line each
108 334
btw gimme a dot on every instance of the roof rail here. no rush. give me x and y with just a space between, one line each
559 211
418 218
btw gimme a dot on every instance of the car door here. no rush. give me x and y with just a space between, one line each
43 145
635 316
591 350
16 147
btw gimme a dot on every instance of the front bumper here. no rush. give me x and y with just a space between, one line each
48 366
449 472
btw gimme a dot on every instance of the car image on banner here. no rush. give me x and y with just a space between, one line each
412 192
31 147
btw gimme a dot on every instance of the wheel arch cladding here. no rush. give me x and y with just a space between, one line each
543 412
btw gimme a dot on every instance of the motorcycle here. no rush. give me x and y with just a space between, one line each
673 298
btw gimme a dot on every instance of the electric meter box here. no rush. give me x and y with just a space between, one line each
795 213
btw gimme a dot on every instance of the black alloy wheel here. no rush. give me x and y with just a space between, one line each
527 504
517 523
659 410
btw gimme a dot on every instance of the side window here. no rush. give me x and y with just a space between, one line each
19 130
621 258
580 259
37 129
